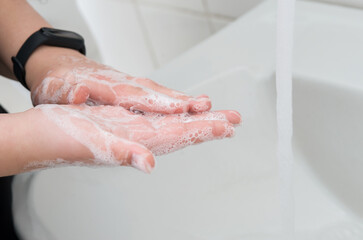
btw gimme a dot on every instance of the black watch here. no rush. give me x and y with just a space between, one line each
45 36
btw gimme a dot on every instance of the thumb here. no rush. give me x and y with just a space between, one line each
58 91
77 94
133 154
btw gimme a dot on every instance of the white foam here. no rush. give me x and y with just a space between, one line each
175 141
59 162
101 128
58 84
65 118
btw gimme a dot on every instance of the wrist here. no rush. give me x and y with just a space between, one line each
15 143
48 142
23 142
46 59
32 140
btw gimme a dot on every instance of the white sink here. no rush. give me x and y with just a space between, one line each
229 189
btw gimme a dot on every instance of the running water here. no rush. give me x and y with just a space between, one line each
284 46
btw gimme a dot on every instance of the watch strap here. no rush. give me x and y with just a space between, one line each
36 40
33 42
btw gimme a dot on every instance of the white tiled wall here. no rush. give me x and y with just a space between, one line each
153 32
350 3
231 8
139 36
147 34
118 34
195 5
172 32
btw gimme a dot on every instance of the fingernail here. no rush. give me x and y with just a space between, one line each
140 162
237 117
203 96
202 99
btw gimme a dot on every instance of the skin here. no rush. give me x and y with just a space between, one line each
102 135
74 79
90 114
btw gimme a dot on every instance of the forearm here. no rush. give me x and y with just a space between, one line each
18 20
15 141
5 71
29 139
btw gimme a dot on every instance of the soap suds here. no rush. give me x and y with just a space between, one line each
104 130
111 87
52 164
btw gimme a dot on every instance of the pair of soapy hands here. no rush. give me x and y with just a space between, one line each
111 118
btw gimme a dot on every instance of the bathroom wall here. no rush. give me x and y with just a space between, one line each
139 36
147 34
349 3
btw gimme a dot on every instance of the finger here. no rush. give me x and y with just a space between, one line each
231 116
56 90
134 97
199 104
173 137
157 103
78 94
133 154
159 88
101 92
143 94
207 130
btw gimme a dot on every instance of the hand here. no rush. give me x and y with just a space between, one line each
109 135
75 79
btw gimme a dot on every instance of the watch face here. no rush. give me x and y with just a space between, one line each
62 38
51 32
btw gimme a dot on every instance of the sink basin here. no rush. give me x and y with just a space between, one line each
228 189
329 133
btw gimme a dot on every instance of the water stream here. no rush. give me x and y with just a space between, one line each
284 47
